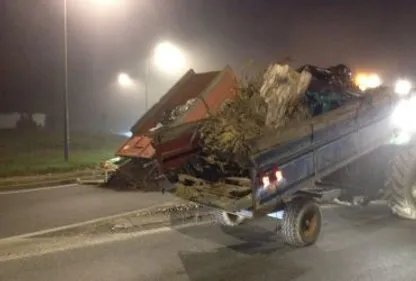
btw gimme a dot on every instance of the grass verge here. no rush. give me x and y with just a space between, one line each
39 153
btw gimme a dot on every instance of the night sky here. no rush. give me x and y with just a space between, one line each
109 36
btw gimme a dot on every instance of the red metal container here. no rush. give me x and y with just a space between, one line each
210 89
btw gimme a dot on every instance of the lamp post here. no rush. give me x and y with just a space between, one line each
66 106
65 94
146 85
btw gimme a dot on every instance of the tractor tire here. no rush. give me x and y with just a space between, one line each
302 222
228 219
401 184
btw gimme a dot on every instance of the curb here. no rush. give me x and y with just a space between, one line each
37 184
80 179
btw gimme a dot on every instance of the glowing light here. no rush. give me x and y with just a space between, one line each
279 176
404 115
266 181
374 81
402 138
276 215
366 81
103 3
402 87
168 57
125 80
127 134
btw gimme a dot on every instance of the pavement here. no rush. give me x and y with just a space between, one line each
24 211
356 244
39 181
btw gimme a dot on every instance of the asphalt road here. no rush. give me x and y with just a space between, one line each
41 209
357 244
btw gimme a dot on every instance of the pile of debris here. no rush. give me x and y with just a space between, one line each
263 105
130 173
269 101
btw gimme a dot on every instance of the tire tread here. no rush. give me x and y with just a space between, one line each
290 227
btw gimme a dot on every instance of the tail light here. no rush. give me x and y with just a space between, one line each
275 175
265 180
279 175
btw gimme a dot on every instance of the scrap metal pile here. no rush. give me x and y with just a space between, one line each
268 102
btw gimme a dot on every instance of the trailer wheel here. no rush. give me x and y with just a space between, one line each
228 219
401 184
302 221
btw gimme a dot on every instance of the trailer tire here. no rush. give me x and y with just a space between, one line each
401 184
228 219
302 222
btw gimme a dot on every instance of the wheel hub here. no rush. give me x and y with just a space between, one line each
232 217
310 221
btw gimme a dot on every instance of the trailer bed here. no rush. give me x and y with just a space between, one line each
304 153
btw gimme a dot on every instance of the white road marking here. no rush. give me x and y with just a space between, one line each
28 248
74 225
93 221
37 189
34 246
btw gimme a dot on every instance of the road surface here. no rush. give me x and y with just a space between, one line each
357 244
34 210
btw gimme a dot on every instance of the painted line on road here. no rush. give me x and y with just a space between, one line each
98 220
43 246
27 246
79 224
93 221
37 189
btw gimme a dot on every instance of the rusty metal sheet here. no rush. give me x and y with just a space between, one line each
211 89
137 146
190 87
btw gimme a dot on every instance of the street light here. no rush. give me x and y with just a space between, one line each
65 96
124 80
102 2
166 56
66 110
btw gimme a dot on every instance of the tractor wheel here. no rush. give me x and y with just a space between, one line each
401 184
302 221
